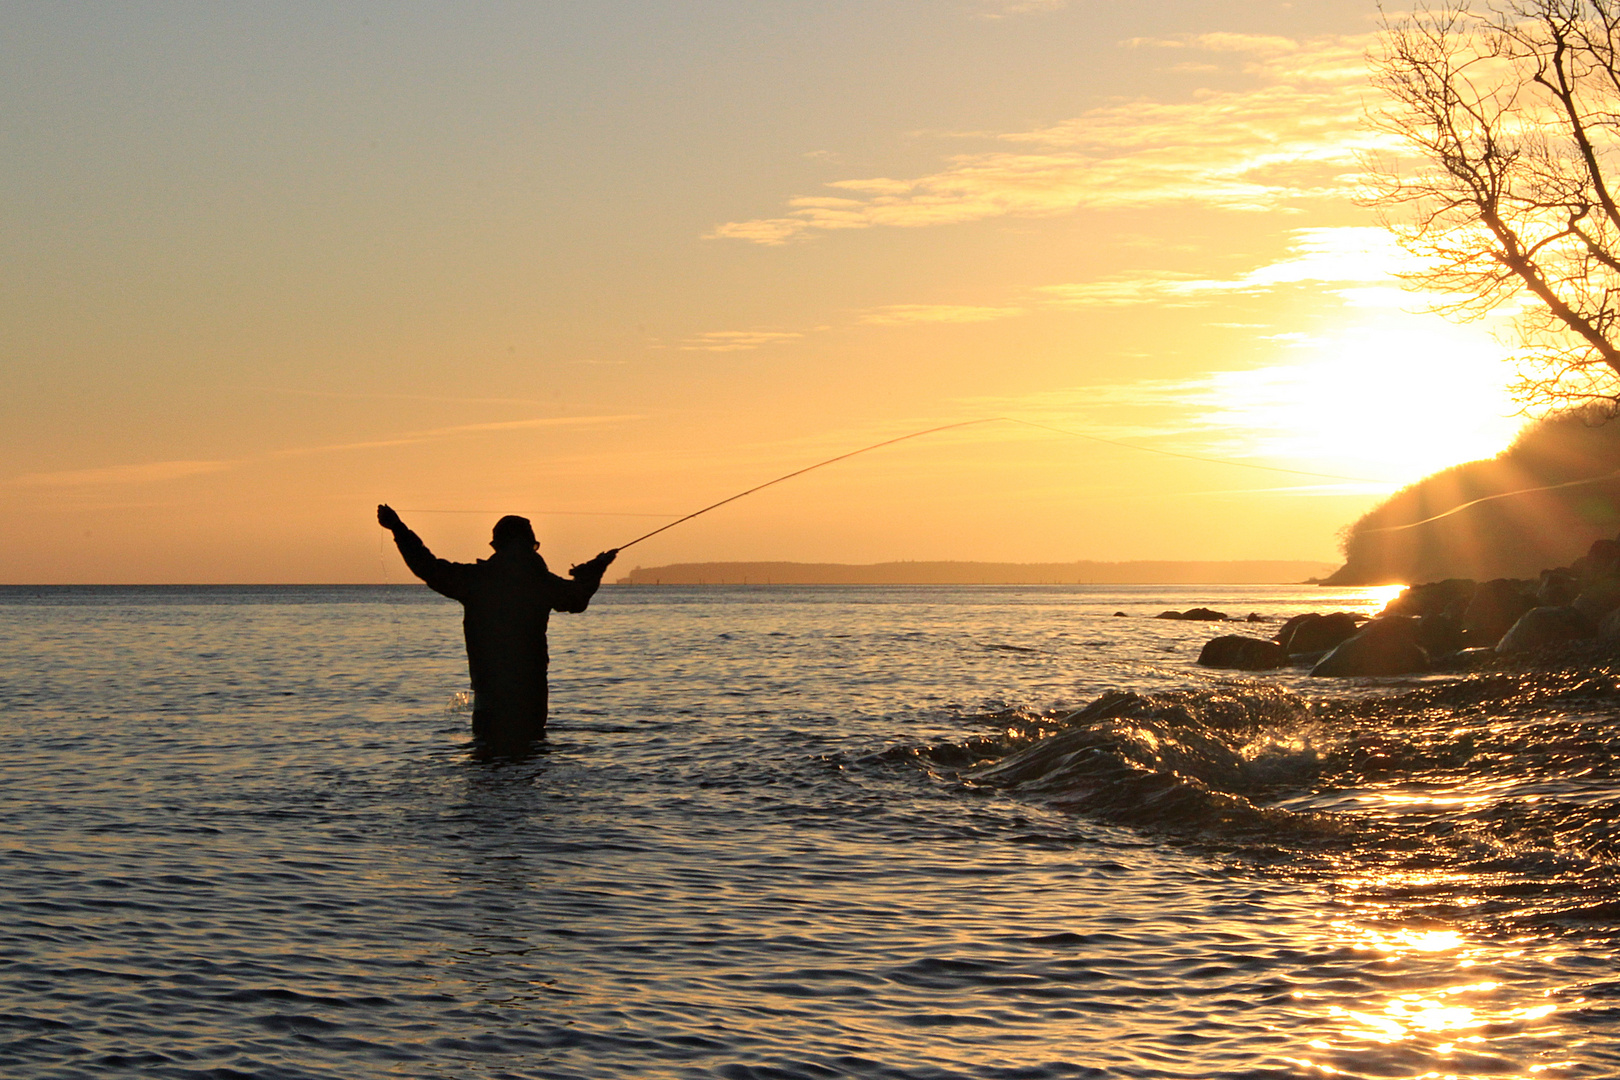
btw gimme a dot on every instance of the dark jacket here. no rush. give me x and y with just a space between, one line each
506 601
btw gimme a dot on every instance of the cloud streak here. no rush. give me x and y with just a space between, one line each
1294 136
1360 265
907 314
1002 9
162 471
737 340
151 472
1365 260
438 399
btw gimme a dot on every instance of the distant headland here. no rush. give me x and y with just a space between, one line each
1538 504
1242 572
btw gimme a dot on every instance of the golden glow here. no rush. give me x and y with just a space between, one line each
204 396
1397 397
1404 796
1381 595
1448 1012
1399 799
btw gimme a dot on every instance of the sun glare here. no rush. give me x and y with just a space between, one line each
1393 400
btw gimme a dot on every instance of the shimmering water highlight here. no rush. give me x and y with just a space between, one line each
779 832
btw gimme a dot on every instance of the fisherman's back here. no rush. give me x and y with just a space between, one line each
507 601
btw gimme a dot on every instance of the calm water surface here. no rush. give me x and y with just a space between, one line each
788 832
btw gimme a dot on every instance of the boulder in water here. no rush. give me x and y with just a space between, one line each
1601 559
1452 594
1316 633
1599 598
1557 588
1197 614
1541 627
1242 653
1386 646
1495 607
1440 633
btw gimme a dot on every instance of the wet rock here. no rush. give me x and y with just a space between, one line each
1243 653
1599 598
1120 615
1496 606
1437 597
1386 646
1316 633
1602 559
1254 616
1197 614
1287 628
1543 626
1557 588
1440 633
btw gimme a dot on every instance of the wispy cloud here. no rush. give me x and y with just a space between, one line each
1325 405
1366 261
432 434
903 314
1360 265
441 399
1294 135
737 340
160 471
1002 9
145 473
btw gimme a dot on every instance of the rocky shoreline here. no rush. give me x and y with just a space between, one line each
1443 625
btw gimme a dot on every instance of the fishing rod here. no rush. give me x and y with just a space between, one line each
971 423
801 472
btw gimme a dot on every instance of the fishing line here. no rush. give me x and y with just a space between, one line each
1492 498
903 438
1189 457
986 420
801 472
539 513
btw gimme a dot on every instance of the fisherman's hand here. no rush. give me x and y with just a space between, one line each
595 567
388 519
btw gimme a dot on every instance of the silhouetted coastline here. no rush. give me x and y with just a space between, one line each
1238 572
1540 503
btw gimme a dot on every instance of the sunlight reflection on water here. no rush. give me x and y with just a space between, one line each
254 836
1452 1007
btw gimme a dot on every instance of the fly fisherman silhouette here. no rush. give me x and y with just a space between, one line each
508 597
506 601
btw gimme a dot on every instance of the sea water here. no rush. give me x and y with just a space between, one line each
900 832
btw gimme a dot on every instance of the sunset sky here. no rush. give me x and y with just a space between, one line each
265 266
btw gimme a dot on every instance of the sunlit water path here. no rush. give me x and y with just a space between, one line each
787 832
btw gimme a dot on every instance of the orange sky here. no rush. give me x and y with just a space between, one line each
604 264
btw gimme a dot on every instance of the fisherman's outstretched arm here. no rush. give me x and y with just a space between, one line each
440 575
574 592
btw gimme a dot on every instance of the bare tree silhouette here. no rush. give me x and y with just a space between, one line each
1507 119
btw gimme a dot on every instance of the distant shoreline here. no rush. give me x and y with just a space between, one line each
1141 572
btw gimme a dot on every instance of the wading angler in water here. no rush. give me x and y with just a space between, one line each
506 601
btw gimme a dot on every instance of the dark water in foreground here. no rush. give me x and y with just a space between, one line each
788 832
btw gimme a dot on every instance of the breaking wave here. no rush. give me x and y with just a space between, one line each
1206 759
1495 791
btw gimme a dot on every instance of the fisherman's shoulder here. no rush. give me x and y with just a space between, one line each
513 566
